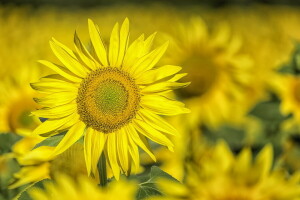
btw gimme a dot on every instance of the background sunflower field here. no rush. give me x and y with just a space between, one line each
240 140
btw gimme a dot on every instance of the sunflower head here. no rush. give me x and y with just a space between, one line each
108 99
112 96
66 188
218 71
217 173
16 101
38 165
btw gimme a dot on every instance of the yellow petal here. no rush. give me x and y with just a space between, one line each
148 43
64 47
264 160
68 60
139 140
56 99
221 37
177 77
50 125
243 161
157 74
157 122
112 154
31 174
163 86
93 146
53 86
122 149
57 78
72 136
99 144
61 70
97 43
36 156
88 146
223 155
134 153
198 33
153 134
124 39
172 187
114 46
133 53
84 54
148 61
56 112
35 193
162 105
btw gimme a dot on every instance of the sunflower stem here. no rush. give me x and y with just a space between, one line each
102 170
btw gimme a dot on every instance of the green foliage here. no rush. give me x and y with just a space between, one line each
7 140
293 67
50 141
233 135
147 182
24 194
54 141
268 110
9 167
269 121
2 197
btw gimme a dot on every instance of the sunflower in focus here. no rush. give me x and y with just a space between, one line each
111 97
217 174
66 188
217 71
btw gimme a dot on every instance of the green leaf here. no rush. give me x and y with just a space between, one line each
54 141
268 111
286 69
11 166
7 140
2 197
24 194
293 66
147 185
50 141
234 136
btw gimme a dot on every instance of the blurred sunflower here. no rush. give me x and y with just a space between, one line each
173 163
218 73
111 98
288 89
217 174
5 169
16 102
38 165
66 188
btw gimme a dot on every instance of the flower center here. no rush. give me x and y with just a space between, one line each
108 99
202 72
19 113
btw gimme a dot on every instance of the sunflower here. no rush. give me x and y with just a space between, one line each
219 74
37 165
66 188
217 174
16 102
288 89
113 98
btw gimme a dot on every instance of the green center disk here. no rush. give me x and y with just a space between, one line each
111 97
